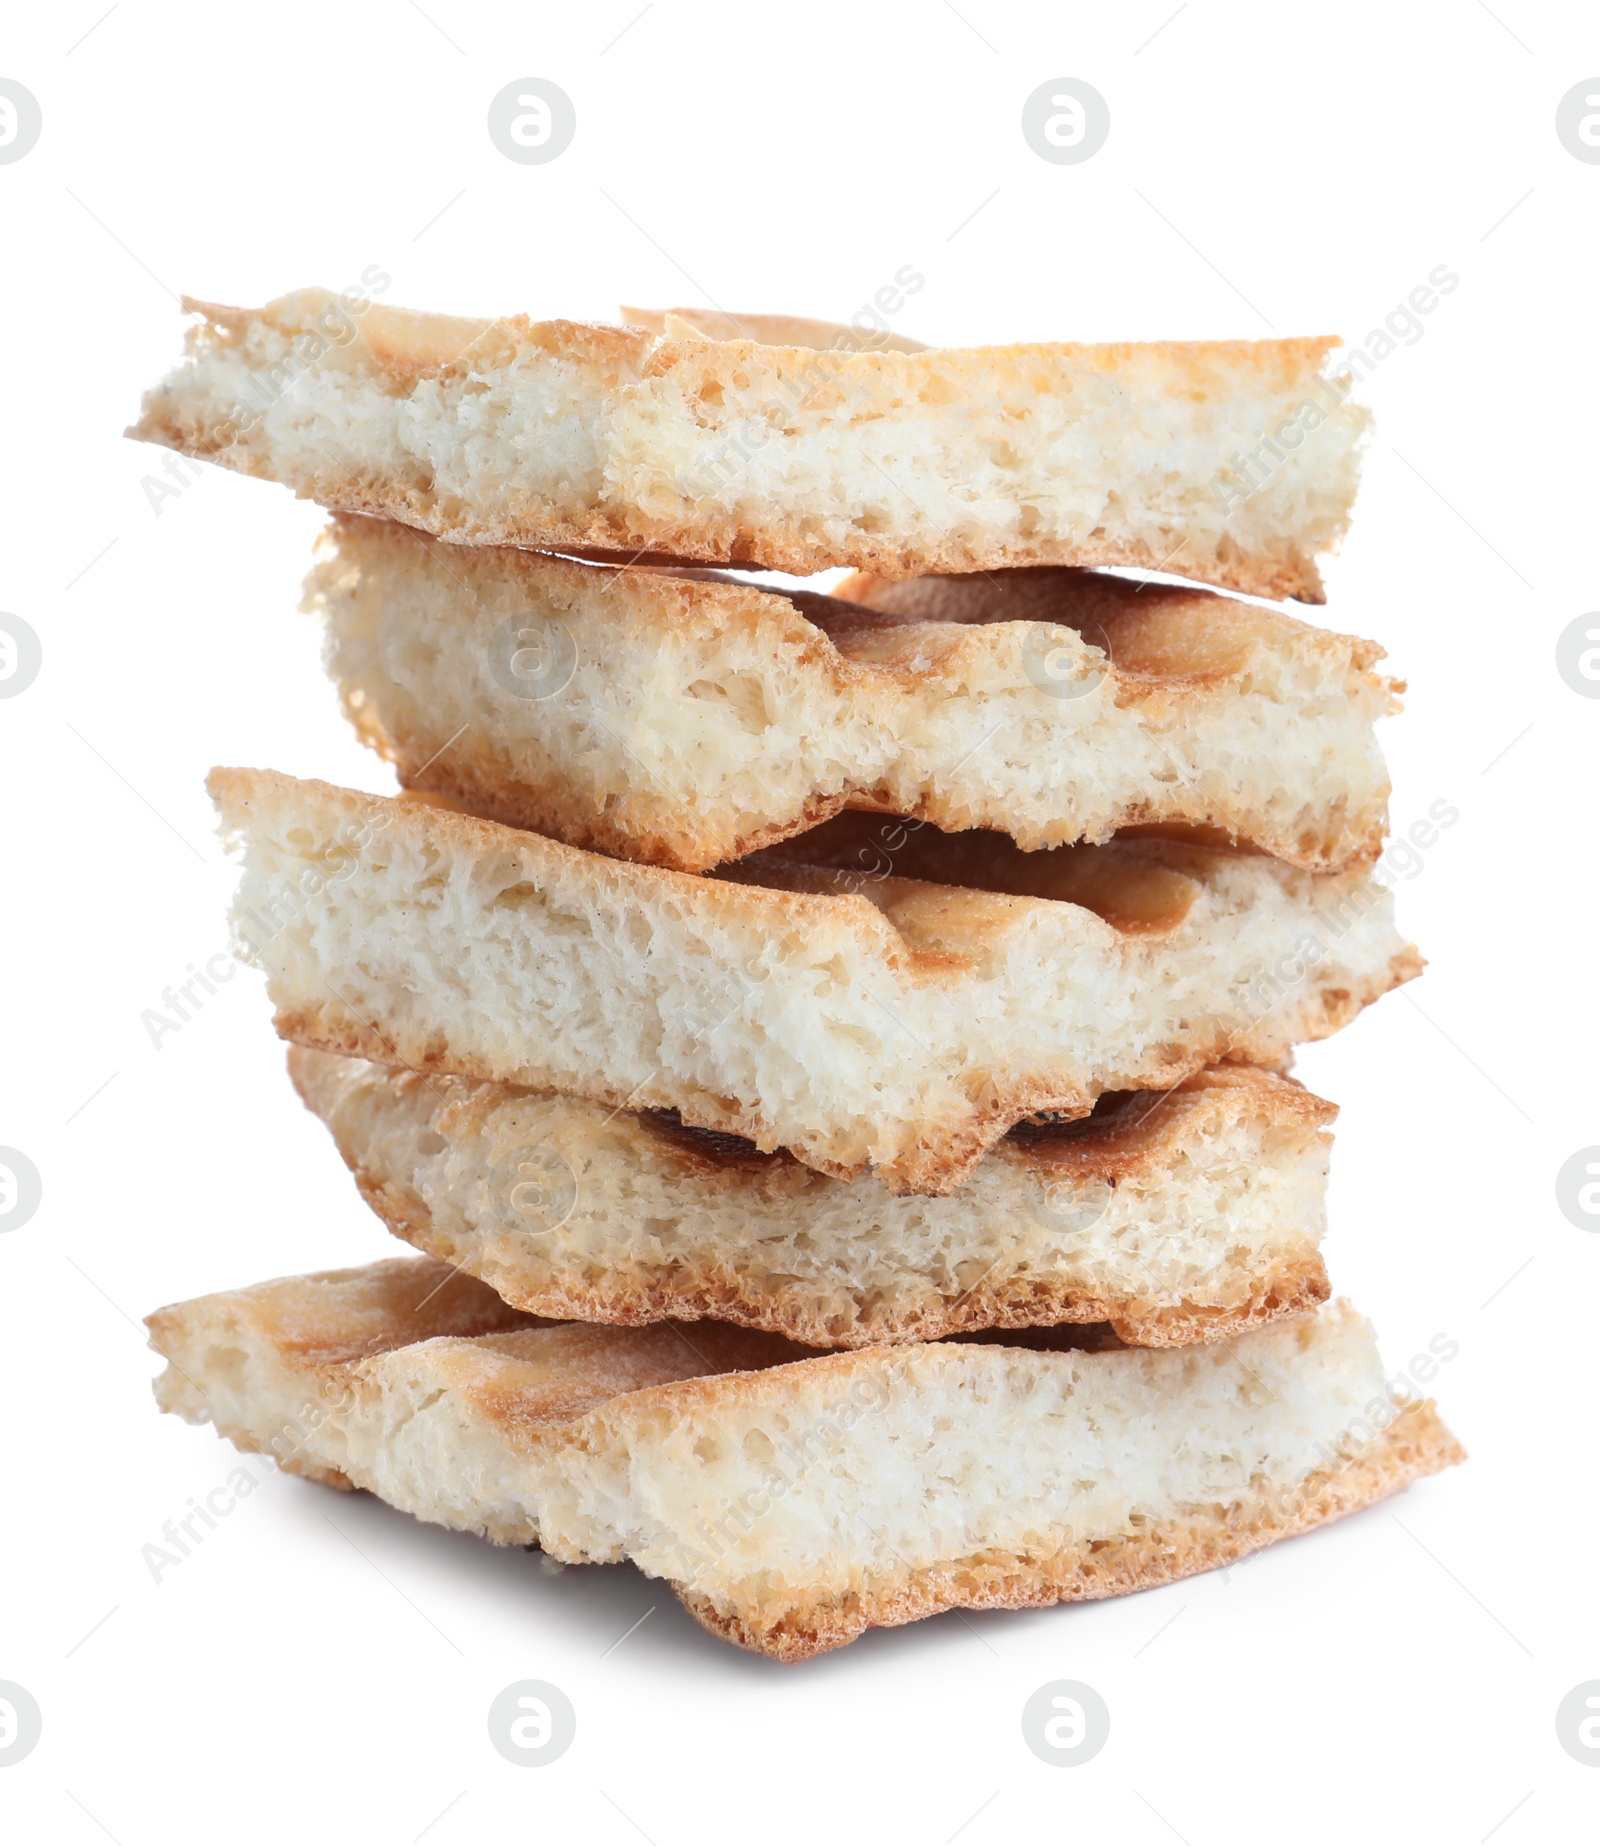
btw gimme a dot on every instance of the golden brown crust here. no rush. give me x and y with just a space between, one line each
340 1316
724 1294
319 1330
1416 1444
767 330
1126 1133
1153 632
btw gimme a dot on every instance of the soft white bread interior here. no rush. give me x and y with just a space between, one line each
904 1015
794 1501
1176 1216
1233 462
685 722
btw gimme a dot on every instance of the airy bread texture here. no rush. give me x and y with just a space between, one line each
1178 1216
794 1501
684 723
1233 462
897 1021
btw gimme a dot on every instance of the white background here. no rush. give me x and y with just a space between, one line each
321 1667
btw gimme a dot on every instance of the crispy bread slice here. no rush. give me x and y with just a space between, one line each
684 722
794 1501
1176 1216
1233 462
901 1016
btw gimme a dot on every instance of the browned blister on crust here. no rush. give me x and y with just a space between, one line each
794 1500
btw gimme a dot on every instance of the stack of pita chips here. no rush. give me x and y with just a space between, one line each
827 1049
